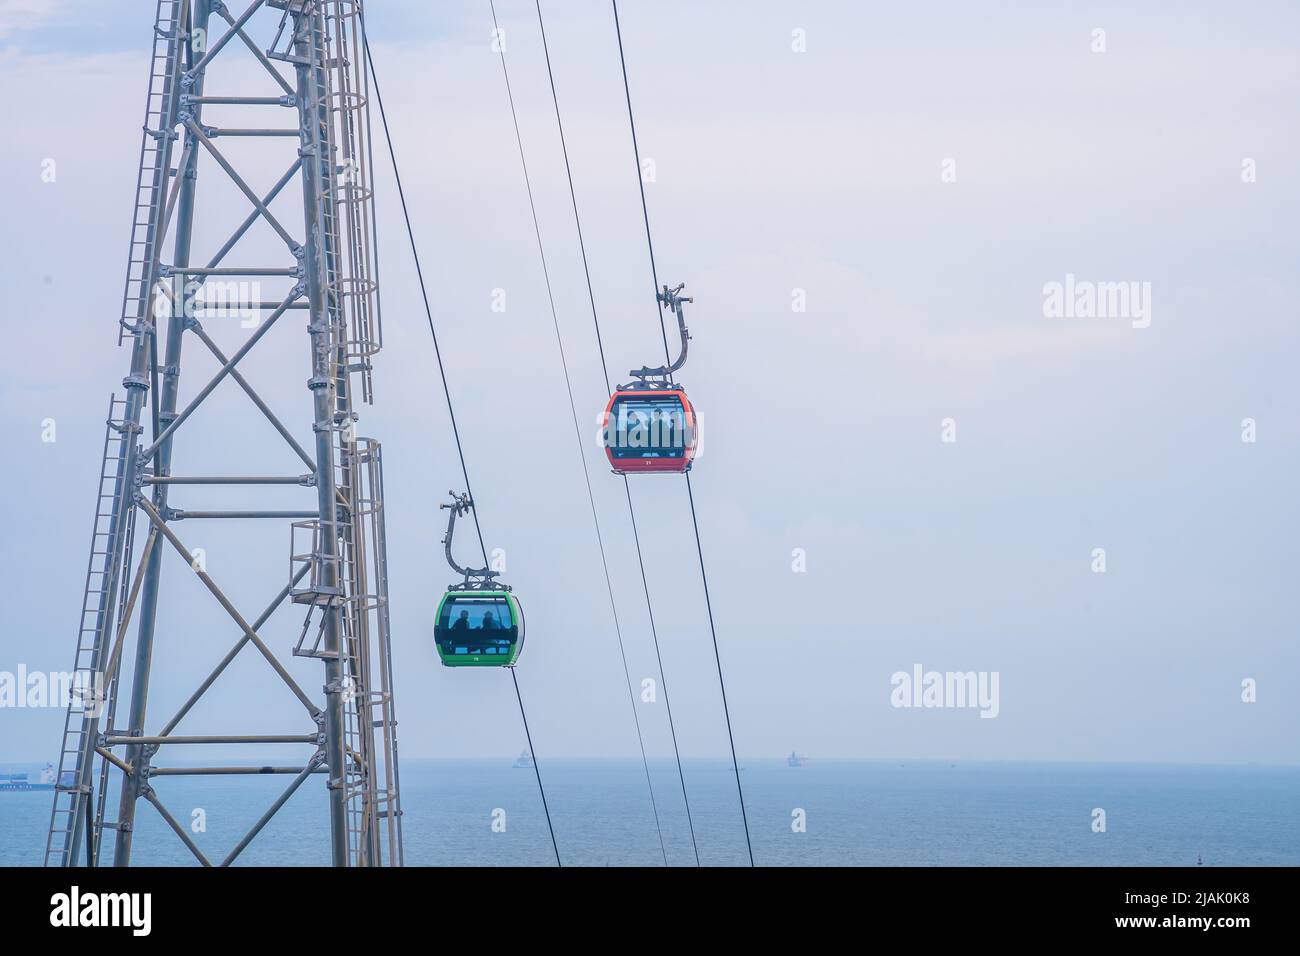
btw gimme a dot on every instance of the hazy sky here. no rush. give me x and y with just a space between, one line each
776 171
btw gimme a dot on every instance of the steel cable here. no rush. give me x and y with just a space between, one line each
695 524
451 413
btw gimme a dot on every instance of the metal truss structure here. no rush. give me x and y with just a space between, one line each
310 56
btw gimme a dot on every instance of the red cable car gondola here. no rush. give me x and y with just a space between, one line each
650 425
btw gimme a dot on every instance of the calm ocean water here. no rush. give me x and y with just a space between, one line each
858 813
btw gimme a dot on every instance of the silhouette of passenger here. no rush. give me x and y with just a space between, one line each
489 622
673 429
638 433
462 622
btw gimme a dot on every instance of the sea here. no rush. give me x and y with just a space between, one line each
826 813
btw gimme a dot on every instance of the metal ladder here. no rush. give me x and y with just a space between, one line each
366 837
370 783
355 287
381 710
89 698
109 706
155 158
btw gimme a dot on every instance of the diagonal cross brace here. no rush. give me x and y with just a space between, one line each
252 216
225 370
233 652
224 601
307 771
238 180
171 821
257 399
255 50
236 26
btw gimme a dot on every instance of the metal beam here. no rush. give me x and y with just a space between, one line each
187 158
312 78
215 48
179 514
232 771
195 22
114 760
291 271
114 740
218 132
241 100
304 480
241 271
257 52
110 669
275 807
261 305
179 830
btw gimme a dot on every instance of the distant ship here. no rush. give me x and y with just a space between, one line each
524 761
796 760
12 782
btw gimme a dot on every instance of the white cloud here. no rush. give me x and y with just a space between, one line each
18 16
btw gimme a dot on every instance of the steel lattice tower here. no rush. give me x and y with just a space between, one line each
310 55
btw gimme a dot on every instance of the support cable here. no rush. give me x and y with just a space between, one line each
424 294
717 657
536 770
577 434
591 296
640 182
704 578
446 390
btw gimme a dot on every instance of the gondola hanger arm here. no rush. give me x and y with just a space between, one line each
670 298
461 505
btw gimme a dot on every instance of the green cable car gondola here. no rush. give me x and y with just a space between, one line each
479 628
479 622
